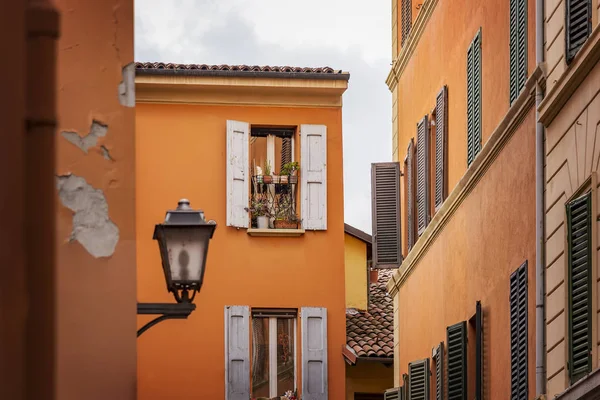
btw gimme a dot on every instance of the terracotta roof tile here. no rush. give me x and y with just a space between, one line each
371 333
238 70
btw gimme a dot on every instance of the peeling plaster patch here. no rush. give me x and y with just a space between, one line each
127 86
97 130
91 225
106 153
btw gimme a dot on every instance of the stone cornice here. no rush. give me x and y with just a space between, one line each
411 43
503 132
567 84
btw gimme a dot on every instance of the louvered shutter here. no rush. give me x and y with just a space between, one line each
518 47
410 193
394 394
441 135
579 25
385 205
237 173
439 372
456 372
313 176
418 380
237 353
474 98
406 19
579 238
478 352
518 333
422 175
314 353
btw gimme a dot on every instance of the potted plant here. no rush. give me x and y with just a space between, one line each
261 210
267 178
285 217
289 171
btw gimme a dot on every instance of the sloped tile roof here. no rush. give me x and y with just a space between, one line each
161 68
371 333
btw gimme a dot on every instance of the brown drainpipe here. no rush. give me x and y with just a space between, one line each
43 26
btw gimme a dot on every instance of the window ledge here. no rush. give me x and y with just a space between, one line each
275 232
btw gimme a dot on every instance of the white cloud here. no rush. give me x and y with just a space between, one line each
341 34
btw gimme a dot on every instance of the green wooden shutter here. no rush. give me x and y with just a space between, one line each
579 236
474 98
385 204
518 47
578 26
518 334
441 135
456 372
439 372
418 380
406 19
410 193
422 175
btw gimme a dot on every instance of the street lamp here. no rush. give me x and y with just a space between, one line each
183 241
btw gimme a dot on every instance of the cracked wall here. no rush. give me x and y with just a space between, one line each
95 202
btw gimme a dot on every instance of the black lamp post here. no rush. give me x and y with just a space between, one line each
183 242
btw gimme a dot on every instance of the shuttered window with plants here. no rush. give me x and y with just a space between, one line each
439 372
385 203
456 372
409 168
518 333
422 175
579 241
474 98
578 26
518 47
418 380
406 19
441 137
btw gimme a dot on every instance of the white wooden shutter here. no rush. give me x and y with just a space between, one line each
314 353
313 176
237 173
237 353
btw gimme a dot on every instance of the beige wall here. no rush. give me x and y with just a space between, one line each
355 260
554 38
368 377
572 156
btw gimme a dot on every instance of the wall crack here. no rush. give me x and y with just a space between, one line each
92 227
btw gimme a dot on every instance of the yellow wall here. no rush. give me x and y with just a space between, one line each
356 272
368 377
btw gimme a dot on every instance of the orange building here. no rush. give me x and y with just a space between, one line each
271 314
456 209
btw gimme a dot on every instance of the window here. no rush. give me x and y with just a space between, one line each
518 333
406 19
579 248
423 180
385 192
368 396
456 367
518 47
418 380
579 26
273 353
409 179
474 98
247 148
441 137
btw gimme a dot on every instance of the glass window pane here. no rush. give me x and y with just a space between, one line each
260 357
285 355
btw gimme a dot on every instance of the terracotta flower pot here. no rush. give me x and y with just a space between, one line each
267 179
293 179
284 179
284 224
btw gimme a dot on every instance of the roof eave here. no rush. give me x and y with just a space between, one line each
333 76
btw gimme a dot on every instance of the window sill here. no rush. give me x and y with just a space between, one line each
275 232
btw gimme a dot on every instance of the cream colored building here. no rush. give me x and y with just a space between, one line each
570 113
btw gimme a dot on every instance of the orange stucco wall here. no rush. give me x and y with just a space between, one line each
440 59
488 237
181 152
96 295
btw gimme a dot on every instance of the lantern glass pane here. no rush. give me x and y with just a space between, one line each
186 249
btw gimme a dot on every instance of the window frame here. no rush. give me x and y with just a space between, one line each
273 315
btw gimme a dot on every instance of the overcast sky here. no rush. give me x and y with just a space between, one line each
351 35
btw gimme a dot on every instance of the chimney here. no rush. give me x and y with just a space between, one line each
373 276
